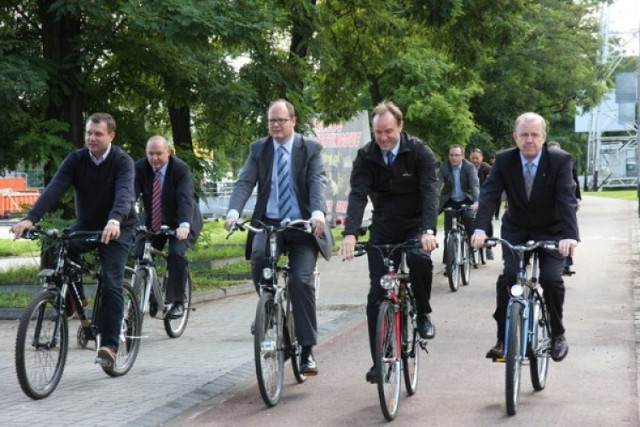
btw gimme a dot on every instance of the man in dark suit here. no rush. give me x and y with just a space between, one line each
458 183
542 206
298 194
397 172
177 208
482 169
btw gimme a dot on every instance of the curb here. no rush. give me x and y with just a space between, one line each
196 298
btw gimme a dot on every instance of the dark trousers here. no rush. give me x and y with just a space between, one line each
177 263
303 254
550 277
113 258
420 273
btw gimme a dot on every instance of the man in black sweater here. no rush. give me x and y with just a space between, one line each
101 175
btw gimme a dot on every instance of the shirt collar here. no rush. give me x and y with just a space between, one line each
98 160
288 145
534 162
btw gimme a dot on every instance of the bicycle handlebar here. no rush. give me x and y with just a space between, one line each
462 208
531 245
53 233
303 225
389 248
164 230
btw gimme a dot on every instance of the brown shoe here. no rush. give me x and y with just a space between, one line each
107 357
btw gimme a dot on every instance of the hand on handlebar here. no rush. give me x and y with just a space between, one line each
317 226
228 223
428 242
478 239
347 249
19 228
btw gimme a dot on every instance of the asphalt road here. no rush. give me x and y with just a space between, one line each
207 378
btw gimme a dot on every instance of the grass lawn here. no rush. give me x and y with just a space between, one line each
614 194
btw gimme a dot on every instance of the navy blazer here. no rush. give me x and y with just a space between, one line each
179 199
550 211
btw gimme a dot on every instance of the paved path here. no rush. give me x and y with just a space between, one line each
207 378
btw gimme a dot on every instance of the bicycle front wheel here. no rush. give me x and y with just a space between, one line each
410 347
268 349
514 359
41 345
465 266
140 281
452 262
540 346
387 360
130 330
175 327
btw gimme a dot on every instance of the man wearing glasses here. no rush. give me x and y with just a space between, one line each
288 169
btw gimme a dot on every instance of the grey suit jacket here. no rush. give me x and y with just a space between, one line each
309 183
468 181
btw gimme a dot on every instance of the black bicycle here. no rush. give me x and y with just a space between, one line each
397 338
151 290
274 328
458 255
42 340
528 331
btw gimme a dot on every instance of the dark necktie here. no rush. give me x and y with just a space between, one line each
390 158
156 202
284 184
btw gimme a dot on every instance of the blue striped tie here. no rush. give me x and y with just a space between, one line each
284 184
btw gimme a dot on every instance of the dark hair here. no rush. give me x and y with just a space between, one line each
388 107
103 117
476 150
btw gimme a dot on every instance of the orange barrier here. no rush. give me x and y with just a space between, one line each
16 201
15 184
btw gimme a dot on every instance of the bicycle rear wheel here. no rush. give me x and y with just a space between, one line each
514 359
411 349
129 339
268 349
465 266
41 345
452 266
175 327
540 346
387 361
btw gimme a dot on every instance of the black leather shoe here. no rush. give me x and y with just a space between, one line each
496 352
559 348
426 329
253 327
308 366
372 375
489 254
176 311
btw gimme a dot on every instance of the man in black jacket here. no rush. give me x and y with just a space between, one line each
542 206
177 208
482 169
102 176
398 173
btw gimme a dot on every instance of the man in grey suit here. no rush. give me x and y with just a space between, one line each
458 183
304 182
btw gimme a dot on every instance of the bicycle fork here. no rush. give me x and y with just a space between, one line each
524 337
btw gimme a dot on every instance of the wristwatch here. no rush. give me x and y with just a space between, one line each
429 231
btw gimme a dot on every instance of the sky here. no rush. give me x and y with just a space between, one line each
624 17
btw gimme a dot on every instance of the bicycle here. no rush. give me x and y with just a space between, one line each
528 331
458 250
42 341
151 291
274 328
397 338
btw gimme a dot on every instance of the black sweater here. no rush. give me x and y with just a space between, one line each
102 192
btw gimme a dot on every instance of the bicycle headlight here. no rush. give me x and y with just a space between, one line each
517 290
267 273
387 282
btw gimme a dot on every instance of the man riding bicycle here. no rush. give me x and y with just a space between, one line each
398 173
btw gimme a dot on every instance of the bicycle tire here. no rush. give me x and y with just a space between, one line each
387 362
40 367
465 265
176 327
268 349
411 349
483 257
475 257
129 337
514 359
140 283
540 346
452 266
292 347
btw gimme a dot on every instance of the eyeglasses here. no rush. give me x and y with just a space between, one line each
278 121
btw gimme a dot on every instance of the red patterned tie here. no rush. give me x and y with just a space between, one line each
156 203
